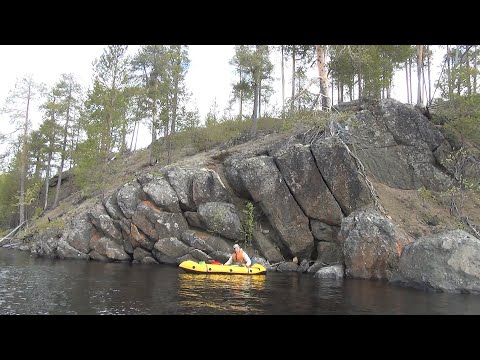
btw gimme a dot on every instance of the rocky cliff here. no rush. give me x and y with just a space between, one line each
314 210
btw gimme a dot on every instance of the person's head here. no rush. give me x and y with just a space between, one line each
236 247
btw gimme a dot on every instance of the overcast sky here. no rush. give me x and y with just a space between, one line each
209 77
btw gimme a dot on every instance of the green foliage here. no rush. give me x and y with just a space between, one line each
425 194
313 119
30 195
456 80
8 189
38 211
307 118
93 173
207 137
462 119
42 224
374 64
467 128
254 68
457 162
248 223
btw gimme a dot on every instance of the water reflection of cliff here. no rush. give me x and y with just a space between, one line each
218 293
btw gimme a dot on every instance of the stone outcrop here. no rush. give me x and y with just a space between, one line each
311 204
396 144
298 168
267 187
442 262
341 175
372 245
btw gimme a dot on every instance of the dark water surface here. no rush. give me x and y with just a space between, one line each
32 285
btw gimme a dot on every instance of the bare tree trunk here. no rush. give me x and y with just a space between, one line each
283 87
23 165
429 77
255 107
449 74
467 62
259 98
322 73
241 96
47 175
47 178
339 95
123 147
419 73
292 106
456 66
64 148
136 138
406 79
166 134
72 146
173 122
133 134
339 92
332 91
154 137
410 100
359 86
475 69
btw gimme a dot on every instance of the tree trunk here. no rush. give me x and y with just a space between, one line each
332 91
475 69
254 116
322 73
77 137
23 162
136 138
469 84
259 98
241 97
292 107
47 178
449 75
360 86
124 136
419 73
341 93
174 121
64 148
133 134
429 77
154 136
410 100
283 87
406 80
339 90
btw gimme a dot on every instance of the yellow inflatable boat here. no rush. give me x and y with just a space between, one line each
202 267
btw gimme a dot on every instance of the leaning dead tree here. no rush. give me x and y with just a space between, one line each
304 91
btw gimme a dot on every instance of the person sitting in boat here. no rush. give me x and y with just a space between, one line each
239 257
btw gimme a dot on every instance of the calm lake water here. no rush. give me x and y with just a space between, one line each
33 285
